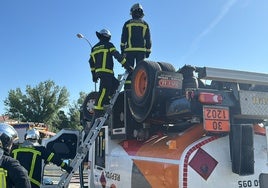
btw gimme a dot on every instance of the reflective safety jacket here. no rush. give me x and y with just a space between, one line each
101 58
3 175
136 36
12 174
31 158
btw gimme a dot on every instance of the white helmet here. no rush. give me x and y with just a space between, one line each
8 135
32 134
136 11
136 6
104 32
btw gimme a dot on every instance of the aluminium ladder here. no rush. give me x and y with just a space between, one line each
89 140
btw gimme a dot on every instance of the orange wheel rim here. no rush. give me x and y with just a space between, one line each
140 83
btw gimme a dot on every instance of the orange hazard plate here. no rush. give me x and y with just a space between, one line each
216 119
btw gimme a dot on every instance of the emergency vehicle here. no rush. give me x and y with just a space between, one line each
192 127
22 127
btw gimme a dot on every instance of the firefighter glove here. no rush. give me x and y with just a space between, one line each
147 54
128 68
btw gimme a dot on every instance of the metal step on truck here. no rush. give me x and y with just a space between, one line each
186 128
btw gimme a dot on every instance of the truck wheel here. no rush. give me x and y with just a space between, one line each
166 67
143 80
88 107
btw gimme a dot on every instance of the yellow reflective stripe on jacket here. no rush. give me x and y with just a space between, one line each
123 61
128 82
35 153
3 175
50 157
104 51
112 49
135 49
129 27
144 27
35 181
105 70
104 60
14 152
62 164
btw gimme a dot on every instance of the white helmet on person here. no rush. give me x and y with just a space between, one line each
32 135
136 11
104 33
136 6
8 136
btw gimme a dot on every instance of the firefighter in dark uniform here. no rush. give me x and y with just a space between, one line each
30 155
101 64
135 39
12 174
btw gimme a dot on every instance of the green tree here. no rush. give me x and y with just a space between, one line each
72 119
41 103
60 122
74 112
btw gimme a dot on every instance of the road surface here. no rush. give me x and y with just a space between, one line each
53 173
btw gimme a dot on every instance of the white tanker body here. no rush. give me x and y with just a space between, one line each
183 160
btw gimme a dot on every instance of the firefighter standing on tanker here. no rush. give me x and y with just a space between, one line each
31 153
12 174
135 39
101 64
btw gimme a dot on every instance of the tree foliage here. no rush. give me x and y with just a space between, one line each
72 119
40 104
45 103
74 111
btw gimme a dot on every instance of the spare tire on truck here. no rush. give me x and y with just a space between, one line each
142 84
87 108
153 83
143 80
166 67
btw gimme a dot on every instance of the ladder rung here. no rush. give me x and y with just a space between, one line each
90 138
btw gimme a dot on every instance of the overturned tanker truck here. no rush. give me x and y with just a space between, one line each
186 128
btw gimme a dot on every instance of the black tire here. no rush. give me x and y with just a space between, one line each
143 80
87 110
167 67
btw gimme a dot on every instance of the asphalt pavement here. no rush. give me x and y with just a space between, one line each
53 174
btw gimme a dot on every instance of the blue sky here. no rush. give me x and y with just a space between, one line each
38 38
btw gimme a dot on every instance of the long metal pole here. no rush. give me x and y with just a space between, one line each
79 35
